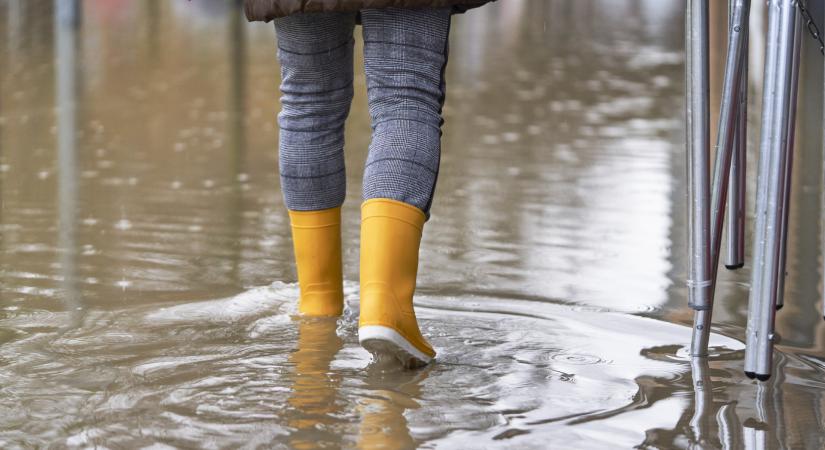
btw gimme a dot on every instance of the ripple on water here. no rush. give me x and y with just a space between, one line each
525 349
84 341
277 297
24 318
507 369
579 359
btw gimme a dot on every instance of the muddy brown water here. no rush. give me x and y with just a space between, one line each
147 292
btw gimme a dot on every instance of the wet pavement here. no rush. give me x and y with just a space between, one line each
147 292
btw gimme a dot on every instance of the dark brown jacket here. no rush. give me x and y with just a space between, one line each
266 10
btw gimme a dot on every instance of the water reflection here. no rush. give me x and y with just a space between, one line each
726 412
314 387
702 403
14 22
67 22
236 107
610 140
390 395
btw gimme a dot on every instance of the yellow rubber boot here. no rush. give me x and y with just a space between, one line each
316 236
390 237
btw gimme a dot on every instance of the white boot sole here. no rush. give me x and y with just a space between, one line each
383 341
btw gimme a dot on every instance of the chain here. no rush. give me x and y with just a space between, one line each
812 28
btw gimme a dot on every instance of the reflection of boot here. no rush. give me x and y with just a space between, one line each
383 426
313 390
390 236
316 236
391 395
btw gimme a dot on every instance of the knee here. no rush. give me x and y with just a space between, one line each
316 80
398 93
316 92
315 110
405 56
406 139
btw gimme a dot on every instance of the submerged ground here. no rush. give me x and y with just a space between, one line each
147 293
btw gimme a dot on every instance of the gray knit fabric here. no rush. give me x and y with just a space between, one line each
405 53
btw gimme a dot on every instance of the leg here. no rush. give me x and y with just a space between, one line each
315 52
698 144
405 53
736 194
722 168
764 278
789 142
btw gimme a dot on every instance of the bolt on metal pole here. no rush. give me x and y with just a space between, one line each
776 99
738 172
789 142
728 121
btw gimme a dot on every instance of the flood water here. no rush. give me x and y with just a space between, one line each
148 295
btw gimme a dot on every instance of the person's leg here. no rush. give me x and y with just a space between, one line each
315 53
405 54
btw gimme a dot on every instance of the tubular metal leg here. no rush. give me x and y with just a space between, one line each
761 187
761 309
786 193
738 173
785 116
698 144
728 121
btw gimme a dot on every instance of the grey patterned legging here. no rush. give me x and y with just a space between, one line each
405 53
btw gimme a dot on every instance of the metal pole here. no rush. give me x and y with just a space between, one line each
761 309
776 190
822 205
761 187
728 121
789 142
738 173
698 145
